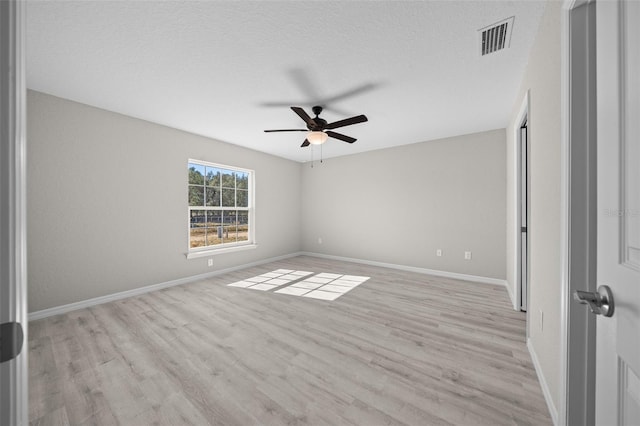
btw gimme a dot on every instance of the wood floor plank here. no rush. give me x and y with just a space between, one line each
400 349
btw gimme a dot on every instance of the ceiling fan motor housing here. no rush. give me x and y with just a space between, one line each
316 124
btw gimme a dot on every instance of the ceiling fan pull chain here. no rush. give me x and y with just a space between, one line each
321 153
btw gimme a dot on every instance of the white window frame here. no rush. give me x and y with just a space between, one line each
205 251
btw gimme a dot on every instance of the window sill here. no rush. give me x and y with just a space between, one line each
213 252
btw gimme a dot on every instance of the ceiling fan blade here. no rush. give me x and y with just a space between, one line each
349 93
287 130
305 83
305 143
346 122
303 115
340 136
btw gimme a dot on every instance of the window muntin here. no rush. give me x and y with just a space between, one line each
220 206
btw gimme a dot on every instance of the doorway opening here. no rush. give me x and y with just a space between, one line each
523 202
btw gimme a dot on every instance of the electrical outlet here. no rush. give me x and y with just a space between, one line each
439 252
467 255
210 262
541 320
319 240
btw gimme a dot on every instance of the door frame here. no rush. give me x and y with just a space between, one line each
14 396
521 117
523 146
578 209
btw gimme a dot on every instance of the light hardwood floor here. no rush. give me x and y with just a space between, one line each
402 348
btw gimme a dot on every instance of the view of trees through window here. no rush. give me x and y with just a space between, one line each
218 205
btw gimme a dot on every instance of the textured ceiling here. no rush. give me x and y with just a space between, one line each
230 69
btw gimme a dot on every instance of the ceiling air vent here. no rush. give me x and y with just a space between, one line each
496 37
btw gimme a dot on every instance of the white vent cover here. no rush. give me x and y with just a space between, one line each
496 36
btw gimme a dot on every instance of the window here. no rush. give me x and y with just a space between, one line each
220 206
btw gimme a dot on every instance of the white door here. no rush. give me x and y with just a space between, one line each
618 99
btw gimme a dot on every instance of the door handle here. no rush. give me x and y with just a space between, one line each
11 339
600 302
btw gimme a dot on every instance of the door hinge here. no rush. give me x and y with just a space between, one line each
11 340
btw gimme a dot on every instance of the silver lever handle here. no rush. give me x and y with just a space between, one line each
600 302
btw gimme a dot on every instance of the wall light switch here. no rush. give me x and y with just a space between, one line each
467 255
439 252
210 262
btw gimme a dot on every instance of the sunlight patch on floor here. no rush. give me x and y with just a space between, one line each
324 286
271 280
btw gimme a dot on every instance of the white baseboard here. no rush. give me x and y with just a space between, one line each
454 275
512 297
543 383
146 289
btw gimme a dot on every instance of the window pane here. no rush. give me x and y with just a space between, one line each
243 226
242 198
230 234
198 218
197 230
242 180
230 226
196 195
228 197
214 236
197 237
230 217
212 177
214 218
213 197
196 174
228 179
214 227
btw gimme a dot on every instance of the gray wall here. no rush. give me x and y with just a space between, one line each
399 205
542 79
107 202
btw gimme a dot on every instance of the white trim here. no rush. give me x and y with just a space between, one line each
512 297
543 383
218 165
215 252
566 82
454 275
33 316
565 95
14 394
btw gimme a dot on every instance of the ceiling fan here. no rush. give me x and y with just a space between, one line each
319 130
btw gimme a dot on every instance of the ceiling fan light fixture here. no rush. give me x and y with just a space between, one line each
317 138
